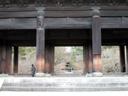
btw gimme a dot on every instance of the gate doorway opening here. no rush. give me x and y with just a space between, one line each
68 61
27 57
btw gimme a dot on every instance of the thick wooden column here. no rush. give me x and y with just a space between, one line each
90 66
126 64
8 60
86 59
49 64
96 41
0 60
40 42
87 53
3 59
15 59
122 58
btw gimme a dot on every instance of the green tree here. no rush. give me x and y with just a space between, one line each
75 52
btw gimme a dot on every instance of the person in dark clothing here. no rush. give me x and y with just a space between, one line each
33 69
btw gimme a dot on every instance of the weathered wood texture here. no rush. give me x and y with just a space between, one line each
122 58
49 57
40 42
126 64
63 12
3 59
0 61
6 59
87 57
96 35
96 43
63 23
15 59
9 60
97 65
62 3
90 66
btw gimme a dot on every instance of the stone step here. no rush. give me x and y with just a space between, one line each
65 89
81 85
66 84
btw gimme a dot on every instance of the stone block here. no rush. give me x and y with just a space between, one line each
97 74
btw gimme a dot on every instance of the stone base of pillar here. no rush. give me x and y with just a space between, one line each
1 82
39 74
95 74
89 75
4 75
47 74
42 75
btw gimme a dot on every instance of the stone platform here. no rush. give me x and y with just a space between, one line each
65 84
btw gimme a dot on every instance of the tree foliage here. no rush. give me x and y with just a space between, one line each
24 51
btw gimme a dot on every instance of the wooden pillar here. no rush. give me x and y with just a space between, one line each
49 65
122 58
90 66
96 41
0 60
40 42
126 65
87 53
15 59
8 60
86 59
3 60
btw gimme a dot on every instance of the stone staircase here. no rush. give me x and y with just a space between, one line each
65 84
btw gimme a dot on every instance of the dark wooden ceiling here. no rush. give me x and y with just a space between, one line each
62 37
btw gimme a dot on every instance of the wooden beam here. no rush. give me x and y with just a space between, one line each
50 23
63 23
63 12
65 8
